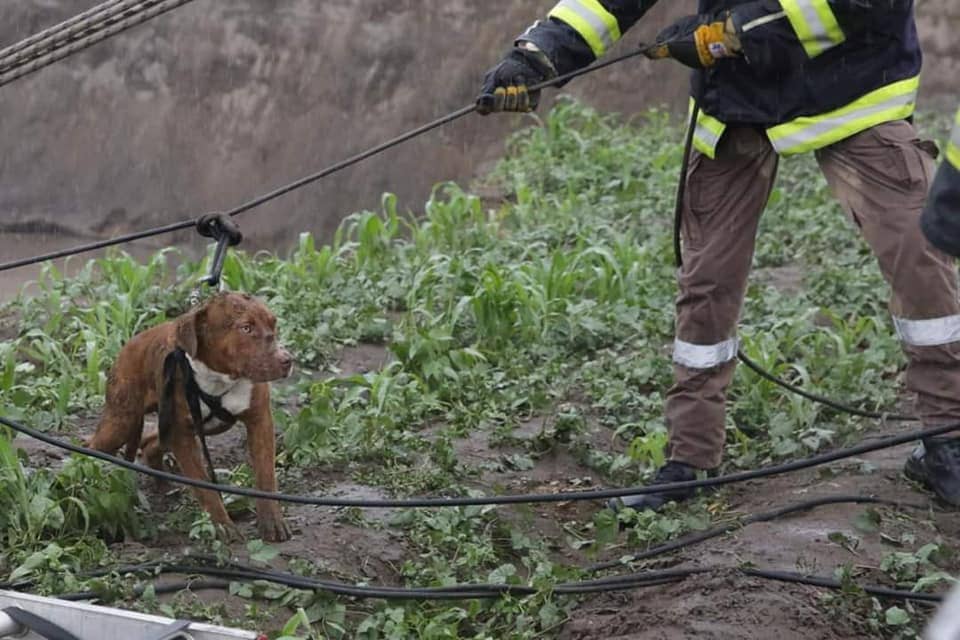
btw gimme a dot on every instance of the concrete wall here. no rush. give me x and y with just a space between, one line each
219 101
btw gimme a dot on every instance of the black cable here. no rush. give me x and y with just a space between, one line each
302 182
417 503
490 591
682 187
100 244
158 589
766 375
830 583
160 566
699 88
767 516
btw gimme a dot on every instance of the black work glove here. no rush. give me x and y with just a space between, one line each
505 87
698 41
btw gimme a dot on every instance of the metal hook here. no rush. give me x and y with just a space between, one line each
227 234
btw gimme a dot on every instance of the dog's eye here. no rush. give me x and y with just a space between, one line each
246 328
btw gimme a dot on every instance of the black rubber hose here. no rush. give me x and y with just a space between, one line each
844 408
492 591
158 589
743 476
418 503
830 583
160 566
767 516
682 187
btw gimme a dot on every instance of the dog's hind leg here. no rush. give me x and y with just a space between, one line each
122 420
152 451
133 441
119 426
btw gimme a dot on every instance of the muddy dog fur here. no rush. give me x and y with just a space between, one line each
231 347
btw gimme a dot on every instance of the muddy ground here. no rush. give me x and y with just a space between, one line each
718 605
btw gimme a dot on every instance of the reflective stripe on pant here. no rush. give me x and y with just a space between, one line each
724 199
880 177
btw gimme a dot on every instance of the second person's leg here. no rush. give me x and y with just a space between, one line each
881 177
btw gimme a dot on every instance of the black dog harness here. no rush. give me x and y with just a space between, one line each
177 369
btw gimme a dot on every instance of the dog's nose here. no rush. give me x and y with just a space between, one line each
286 359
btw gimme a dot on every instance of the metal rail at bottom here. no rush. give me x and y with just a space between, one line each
90 622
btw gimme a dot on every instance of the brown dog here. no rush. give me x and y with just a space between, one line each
230 346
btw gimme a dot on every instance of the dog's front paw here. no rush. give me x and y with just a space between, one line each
229 532
273 529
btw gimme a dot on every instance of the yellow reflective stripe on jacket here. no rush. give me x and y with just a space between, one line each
893 102
814 23
592 21
707 134
953 147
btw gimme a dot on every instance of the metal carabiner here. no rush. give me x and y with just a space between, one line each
224 230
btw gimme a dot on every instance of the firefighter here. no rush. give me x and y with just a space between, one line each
940 223
941 217
774 78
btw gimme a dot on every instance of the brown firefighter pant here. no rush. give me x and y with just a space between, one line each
881 178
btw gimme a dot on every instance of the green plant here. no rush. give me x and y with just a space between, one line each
529 327
85 498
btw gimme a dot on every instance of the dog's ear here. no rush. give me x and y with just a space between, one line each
187 331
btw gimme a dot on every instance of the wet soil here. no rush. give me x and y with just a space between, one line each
353 546
815 543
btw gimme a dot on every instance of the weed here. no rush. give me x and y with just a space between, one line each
555 305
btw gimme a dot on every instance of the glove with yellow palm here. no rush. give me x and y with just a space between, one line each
506 86
698 41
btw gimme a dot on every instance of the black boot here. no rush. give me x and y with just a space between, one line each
668 473
936 464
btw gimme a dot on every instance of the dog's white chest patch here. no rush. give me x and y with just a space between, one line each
235 393
237 400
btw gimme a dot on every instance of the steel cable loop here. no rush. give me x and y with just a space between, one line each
50 32
340 166
418 503
82 43
59 35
